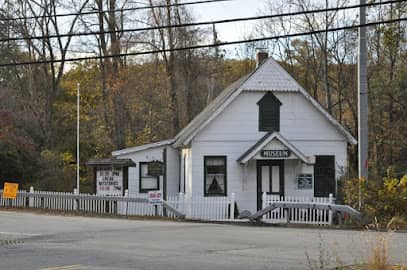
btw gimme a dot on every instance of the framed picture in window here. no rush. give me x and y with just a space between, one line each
305 181
215 176
147 182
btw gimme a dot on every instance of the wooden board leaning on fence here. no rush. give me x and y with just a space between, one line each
10 190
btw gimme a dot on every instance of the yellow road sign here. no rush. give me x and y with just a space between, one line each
10 190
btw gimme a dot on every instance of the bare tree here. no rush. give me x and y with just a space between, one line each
45 23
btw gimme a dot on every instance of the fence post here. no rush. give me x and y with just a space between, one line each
76 201
331 200
264 205
264 200
232 206
287 215
188 205
181 202
126 195
31 199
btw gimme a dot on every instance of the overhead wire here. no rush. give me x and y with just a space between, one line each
215 22
217 44
110 11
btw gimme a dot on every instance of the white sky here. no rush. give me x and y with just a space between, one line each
228 10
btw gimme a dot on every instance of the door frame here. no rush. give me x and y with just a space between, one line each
273 162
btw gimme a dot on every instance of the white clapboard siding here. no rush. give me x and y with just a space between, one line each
296 215
235 130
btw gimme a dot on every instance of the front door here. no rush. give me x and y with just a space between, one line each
270 179
324 176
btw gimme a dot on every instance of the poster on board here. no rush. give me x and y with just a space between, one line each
109 181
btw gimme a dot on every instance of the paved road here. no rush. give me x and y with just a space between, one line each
32 242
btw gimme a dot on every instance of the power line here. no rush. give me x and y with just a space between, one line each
200 23
203 46
114 10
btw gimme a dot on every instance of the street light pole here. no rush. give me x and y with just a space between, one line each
77 136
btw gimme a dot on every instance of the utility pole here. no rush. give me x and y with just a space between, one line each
362 100
362 96
77 136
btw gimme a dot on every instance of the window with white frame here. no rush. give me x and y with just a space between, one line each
147 182
305 181
215 175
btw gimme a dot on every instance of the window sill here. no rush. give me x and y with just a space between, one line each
147 190
215 195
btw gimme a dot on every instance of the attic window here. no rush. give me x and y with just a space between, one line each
269 113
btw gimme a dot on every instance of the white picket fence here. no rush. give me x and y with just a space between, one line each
196 208
20 201
297 215
208 208
199 208
61 201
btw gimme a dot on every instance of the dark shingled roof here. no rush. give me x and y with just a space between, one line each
259 142
111 161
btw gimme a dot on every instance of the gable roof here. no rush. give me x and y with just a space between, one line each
260 144
141 147
270 76
209 110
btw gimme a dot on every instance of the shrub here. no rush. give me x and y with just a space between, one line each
385 200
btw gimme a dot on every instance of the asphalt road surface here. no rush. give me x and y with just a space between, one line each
45 242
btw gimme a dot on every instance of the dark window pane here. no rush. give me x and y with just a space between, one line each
147 182
269 113
324 176
215 176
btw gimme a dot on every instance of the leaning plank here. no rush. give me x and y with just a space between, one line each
317 206
177 213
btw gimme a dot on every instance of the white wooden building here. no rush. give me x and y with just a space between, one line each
264 133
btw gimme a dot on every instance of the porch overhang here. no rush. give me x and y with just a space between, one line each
288 151
115 162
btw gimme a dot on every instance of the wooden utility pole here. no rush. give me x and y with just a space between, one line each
362 96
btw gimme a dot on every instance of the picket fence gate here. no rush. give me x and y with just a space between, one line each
298 215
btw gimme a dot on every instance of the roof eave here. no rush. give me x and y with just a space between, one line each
264 141
142 147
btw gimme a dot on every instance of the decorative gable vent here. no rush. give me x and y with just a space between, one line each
269 113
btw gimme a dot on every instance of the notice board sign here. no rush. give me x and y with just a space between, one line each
305 181
155 197
10 190
109 181
155 168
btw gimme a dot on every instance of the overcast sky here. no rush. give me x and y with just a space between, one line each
227 10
